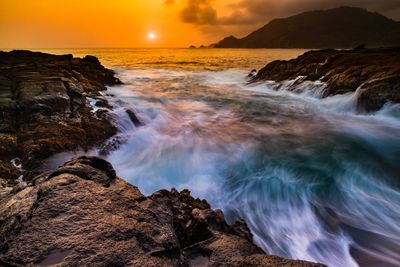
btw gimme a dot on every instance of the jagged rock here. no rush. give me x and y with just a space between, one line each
252 73
374 72
43 106
83 215
102 103
374 94
134 118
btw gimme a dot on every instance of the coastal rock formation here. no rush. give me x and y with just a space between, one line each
343 27
44 108
373 73
83 215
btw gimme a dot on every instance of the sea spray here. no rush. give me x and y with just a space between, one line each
312 178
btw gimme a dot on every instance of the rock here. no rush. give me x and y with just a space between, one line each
8 172
102 103
374 72
43 107
252 73
83 215
94 169
134 118
7 169
374 94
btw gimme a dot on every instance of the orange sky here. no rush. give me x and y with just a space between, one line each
127 23
96 23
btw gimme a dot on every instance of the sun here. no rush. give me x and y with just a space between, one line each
152 36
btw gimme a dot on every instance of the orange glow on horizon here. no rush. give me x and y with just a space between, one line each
95 23
127 23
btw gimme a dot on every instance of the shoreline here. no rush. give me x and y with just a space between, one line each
372 73
66 92
87 208
45 109
77 171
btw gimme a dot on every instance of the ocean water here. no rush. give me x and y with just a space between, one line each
313 179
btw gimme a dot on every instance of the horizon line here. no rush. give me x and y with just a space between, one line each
28 48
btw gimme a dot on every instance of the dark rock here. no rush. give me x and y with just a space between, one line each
252 73
83 215
91 59
360 47
43 106
111 145
374 94
134 118
94 169
375 73
102 103
8 174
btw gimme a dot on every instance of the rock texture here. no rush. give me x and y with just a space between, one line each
344 27
373 73
83 215
44 108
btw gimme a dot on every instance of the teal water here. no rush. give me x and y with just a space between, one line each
313 179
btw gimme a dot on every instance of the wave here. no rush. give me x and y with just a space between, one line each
313 179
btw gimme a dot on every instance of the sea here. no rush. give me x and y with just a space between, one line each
313 179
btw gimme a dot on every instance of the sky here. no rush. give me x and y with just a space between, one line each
150 23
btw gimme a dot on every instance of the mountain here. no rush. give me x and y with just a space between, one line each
343 27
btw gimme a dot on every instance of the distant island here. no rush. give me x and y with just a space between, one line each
200 47
343 27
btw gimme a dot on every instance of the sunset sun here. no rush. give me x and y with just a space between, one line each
151 35
200 132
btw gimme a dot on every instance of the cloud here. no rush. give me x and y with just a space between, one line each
199 12
265 10
256 12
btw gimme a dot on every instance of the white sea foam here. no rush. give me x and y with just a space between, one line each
313 179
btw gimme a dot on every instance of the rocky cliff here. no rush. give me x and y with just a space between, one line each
44 108
373 73
82 214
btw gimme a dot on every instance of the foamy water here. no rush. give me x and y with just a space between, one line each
313 179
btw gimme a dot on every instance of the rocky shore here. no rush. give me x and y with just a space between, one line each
373 73
82 214
44 109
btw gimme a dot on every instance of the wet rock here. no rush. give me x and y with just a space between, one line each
134 118
8 174
94 169
374 94
83 215
43 106
112 144
374 72
102 103
252 73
